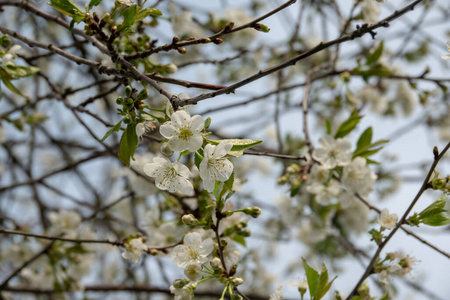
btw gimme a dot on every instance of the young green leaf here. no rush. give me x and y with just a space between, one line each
68 7
239 145
113 129
435 214
94 3
365 139
348 125
375 56
128 144
312 276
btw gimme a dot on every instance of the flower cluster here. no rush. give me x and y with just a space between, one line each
184 133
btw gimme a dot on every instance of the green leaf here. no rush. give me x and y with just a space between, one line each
113 129
128 144
368 150
239 239
21 71
348 125
435 214
68 7
365 138
198 157
239 145
6 79
312 276
147 12
229 182
323 282
375 56
128 19
328 124
94 3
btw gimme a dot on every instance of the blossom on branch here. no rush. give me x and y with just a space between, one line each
214 166
134 250
183 131
169 176
333 152
193 250
387 220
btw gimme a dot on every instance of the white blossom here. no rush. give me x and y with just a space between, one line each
318 174
185 293
377 100
193 272
447 56
193 250
11 54
143 127
169 176
333 152
387 220
324 192
358 177
126 2
370 11
277 294
134 250
393 270
183 131
405 98
67 222
214 165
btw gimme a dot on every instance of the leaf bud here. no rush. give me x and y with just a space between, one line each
205 40
233 269
181 50
217 41
435 152
236 281
228 27
175 40
261 27
189 220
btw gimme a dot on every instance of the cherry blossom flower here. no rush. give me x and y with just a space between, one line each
183 131
333 152
126 2
277 294
358 177
12 53
393 270
184 293
324 193
169 176
214 166
387 220
193 250
134 250
447 56
143 127
193 272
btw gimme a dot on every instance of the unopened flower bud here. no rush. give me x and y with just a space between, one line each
128 90
143 94
215 263
294 168
217 41
106 18
180 283
171 68
254 211
181 50
189 220
119 101
228 27
438 183
175 39
236 281
283 179
246 233
166 150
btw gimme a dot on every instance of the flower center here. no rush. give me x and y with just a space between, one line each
185 133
